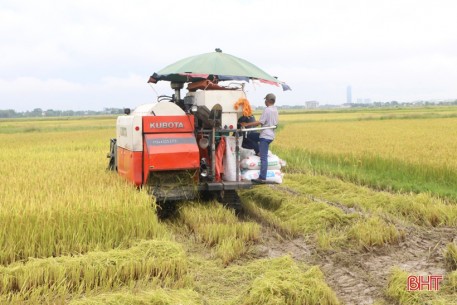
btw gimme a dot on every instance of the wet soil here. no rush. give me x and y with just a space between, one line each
361 277
357 277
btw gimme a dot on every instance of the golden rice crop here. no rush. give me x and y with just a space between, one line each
161 263
219 227
71 231
300 214
429 142
397 290
57 198
60 124
152 297
374 231
451 256
451 283
295 214
289 285
262 281
331 226
364 114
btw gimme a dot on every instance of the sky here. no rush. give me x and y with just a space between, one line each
93 54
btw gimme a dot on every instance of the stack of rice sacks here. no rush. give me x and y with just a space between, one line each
250 166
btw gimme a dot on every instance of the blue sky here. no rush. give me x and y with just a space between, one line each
95 54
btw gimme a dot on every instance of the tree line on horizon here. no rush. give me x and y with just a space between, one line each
39 112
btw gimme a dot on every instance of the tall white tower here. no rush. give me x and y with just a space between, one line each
349 95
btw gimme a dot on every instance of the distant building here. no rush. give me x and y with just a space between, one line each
349 95
311 104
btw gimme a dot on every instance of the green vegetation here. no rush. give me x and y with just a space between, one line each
374 171
422 209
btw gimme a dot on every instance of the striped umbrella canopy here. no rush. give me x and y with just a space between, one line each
214 66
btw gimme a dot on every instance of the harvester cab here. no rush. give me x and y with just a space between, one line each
174 146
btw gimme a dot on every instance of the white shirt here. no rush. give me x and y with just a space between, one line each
268 118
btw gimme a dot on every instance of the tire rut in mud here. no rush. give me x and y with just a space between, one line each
359 277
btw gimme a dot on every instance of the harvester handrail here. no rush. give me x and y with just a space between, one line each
257 128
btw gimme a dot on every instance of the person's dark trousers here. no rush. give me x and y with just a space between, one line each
264 144
251 142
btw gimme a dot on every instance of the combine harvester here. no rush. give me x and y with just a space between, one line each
174 146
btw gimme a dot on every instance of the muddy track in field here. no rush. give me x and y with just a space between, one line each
361 278
357 277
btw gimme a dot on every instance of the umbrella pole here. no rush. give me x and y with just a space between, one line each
177 87
237 155
213 153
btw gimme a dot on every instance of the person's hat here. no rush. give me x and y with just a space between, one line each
270 96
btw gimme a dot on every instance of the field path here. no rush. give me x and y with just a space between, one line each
358 277
361 277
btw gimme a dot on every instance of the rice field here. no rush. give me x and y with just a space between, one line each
368 199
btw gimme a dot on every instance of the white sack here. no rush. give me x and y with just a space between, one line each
245 153
272 175
230 158
253 162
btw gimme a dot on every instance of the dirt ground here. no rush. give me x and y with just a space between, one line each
360 278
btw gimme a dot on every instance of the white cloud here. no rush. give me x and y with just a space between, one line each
36 86
100 50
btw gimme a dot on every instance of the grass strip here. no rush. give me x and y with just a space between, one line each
421 209
374 171
331 227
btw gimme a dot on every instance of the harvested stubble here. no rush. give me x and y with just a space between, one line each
218 227
58 199
294 214
285 282
264 281
451 256
374 231
160 263
397 290
153 297
422 209
298 215
451 283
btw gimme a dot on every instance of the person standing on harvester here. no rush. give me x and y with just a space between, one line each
268 118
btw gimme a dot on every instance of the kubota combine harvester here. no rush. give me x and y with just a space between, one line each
173 145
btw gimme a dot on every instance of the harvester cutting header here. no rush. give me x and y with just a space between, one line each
181 147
